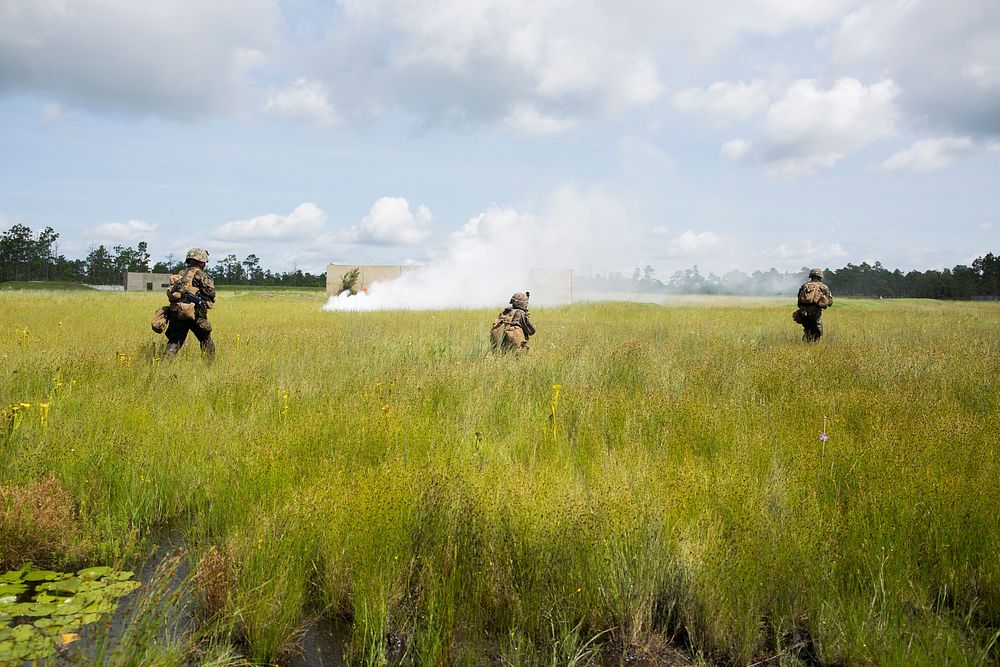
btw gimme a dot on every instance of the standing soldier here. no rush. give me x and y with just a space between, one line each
512 328
191 294
814 298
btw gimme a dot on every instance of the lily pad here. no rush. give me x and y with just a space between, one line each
71 585
17 609
61 603
120 588
92 573
15 575
38 609
12 589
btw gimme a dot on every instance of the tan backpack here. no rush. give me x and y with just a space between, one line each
159 322
505 335
180 283
813 295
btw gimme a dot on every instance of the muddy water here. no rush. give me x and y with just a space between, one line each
101 639
322 645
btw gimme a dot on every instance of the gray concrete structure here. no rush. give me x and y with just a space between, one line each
146 282
549 287
368 274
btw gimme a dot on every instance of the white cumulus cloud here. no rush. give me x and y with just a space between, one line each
304 100
133 230
525 119
928 154
933 154
943 55
307 220
391 222
724 101
180 59
813 126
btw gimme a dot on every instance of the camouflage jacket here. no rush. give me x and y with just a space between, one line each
520 318
200 280
811 307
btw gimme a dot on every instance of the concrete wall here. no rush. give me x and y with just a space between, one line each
548 287
370 273
145 282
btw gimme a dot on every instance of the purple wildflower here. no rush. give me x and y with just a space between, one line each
824 437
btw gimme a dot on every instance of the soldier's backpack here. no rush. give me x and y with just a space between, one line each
180 283
159 322
505 335
813 295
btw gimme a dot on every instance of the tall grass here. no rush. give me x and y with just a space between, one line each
384 469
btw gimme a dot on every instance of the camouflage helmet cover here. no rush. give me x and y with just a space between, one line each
816 273
519 300
198 254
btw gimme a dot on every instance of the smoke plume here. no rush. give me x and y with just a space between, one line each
493 255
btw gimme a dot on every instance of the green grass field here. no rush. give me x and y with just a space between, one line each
46 285
649 481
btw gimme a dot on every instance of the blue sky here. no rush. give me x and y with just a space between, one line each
728 134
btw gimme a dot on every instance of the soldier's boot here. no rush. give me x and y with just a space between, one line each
208 349
171 350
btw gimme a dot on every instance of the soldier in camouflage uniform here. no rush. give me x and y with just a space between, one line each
814 297
512 327
193 286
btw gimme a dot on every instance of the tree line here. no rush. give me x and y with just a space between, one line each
981 279
26 255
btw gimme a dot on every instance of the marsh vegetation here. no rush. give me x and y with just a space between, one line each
671 500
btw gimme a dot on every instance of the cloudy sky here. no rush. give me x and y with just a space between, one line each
727 133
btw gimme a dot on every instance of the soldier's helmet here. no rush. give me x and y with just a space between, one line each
816 273
519 300
198 254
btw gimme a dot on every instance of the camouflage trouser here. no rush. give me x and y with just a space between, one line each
177 332
812 328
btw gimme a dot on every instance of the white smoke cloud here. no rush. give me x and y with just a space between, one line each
809 252
481 263
691 242
492 255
